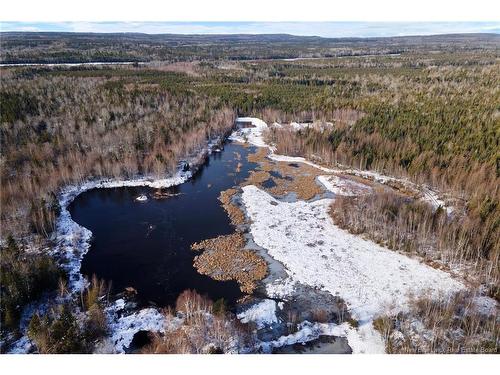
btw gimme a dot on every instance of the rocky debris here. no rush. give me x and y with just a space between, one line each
185 166
225 259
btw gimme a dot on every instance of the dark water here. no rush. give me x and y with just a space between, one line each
146 245
321 345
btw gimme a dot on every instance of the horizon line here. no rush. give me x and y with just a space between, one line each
322 29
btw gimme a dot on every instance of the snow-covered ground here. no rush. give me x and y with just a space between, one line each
253 135
281 287
125 327
343 186
261 313
363 340
301 235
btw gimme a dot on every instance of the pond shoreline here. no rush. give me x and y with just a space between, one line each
72 240
67 230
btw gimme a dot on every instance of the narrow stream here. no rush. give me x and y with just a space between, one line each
146 245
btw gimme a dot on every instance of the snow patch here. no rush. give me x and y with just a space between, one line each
298 159
362 340
343 186
124 328
281 288
262 313
485 305
253 135
365 339
299 126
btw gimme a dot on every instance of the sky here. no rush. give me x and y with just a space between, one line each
324 29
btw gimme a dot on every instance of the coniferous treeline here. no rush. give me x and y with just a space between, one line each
24 277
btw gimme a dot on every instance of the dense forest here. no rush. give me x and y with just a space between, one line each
61 130
23 47
426 108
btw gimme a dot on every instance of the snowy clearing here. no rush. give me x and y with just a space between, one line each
368 277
